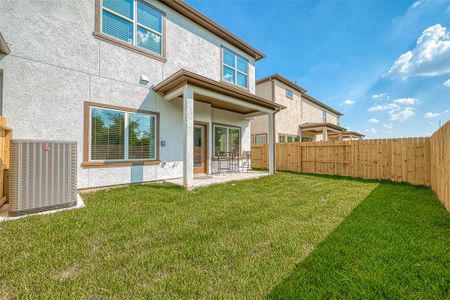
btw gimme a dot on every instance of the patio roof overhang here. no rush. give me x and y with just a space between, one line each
219 94
3 45
319 127
349 134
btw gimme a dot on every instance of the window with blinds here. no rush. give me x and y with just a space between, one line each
133 22
235 68
226 139
121 135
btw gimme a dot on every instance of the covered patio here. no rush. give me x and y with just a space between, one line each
200 142
321 130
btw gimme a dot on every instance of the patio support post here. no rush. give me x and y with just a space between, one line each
324 134
188 136
271 141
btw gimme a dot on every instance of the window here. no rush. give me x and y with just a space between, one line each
260 139
117 135
133 22
306 139
226 138
281 138
289 138
297 138
235 68
324 116
338 120
289 93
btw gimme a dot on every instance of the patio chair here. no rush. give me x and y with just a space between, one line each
223 162
246 160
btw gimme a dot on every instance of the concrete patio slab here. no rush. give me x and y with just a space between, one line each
203 180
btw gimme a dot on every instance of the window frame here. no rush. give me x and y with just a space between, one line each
89 163
324 116
214 125
235 69
287 94
98 33
261 134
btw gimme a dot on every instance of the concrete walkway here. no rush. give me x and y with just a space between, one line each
202 180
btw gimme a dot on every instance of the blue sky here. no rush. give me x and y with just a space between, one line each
384 64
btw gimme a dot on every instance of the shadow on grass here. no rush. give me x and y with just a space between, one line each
395 244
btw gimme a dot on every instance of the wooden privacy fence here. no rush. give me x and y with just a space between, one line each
5 144
419 161
440 164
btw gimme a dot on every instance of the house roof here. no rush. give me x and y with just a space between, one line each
194 15
3 45
283 80
315 101
187 77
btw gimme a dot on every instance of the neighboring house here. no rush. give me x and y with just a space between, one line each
304 119
149 90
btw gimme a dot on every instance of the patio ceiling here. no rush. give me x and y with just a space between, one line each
219 94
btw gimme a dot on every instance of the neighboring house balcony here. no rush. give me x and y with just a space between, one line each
202 141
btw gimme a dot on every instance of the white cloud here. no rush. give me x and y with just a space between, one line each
408 101
447 83
373 120
372 130
445 111
388 126
382 107
430 57
415 4
379 96
348 102
431 115
402 114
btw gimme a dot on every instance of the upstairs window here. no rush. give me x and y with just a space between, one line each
324 116
133 22
338 121
234 68
289 93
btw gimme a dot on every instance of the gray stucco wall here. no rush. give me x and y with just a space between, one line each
56 64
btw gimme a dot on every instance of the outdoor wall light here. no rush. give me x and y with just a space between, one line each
144 79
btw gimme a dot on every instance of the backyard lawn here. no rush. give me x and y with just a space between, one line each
283 236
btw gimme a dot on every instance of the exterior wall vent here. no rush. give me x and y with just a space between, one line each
43 176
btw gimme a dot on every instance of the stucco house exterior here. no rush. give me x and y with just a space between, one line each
304 119
149 90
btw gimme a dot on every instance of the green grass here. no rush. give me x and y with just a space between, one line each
284 236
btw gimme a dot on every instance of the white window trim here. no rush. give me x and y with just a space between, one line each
228 133
235 69
136 24
126 142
